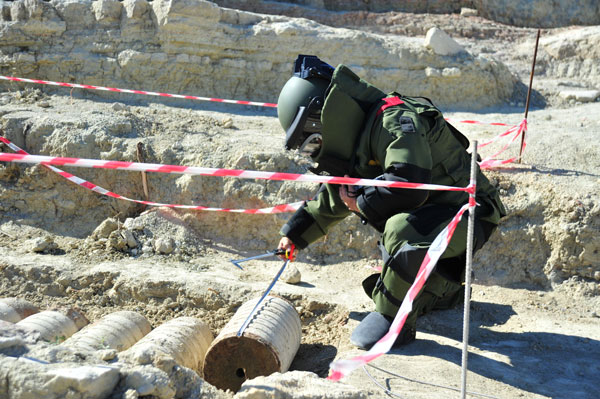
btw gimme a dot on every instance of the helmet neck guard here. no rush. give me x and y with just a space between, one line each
343 117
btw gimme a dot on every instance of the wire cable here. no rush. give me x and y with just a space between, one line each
389 392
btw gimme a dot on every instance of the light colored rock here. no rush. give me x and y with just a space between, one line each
131 394
133 224
129 238
584 96
41 244
89 381
164 245
116 241
105 228
120 107
107 11
296 385
147 380
442 44
291 275
468 12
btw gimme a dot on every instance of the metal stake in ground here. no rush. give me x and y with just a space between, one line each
469 266
537 40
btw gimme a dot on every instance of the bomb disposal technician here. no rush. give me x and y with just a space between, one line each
348 127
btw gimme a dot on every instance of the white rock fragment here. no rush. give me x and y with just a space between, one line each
296 385
147 380
451 72
120 107
41 244
164 245
134 224
584 96
468 12
227 123
432 72
131 394
291 275
129 238
89 381
105 228
441 44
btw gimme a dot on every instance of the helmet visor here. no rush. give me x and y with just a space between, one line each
306 122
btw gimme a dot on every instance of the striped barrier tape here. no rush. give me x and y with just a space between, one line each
220 100
516 128
150 93
97 189
491 162
343 367
196 170
469 121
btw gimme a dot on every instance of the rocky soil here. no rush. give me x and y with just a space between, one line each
535 314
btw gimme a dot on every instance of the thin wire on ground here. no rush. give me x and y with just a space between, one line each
389 392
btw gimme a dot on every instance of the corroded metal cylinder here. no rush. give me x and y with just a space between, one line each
118 330
185 339
14 309
267 345
55 325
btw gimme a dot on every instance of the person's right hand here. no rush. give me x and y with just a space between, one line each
287 246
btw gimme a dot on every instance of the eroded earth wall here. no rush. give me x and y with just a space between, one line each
529 13
195 47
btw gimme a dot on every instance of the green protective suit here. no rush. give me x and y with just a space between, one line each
369 134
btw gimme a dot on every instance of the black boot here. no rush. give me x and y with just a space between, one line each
373 327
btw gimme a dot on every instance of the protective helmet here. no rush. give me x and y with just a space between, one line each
300 102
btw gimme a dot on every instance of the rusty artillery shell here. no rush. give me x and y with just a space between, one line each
268 344
185 339
55 325
118 330
15 309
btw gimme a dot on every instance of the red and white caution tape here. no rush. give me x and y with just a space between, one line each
149 93
341 368
490 162
516 128
196 170
476 122
97 189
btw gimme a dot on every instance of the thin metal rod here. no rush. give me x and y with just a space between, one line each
468 267
270 253
142 158
537 41
269 288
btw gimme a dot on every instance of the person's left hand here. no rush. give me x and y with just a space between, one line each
348 196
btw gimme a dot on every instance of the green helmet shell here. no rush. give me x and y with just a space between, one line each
297 92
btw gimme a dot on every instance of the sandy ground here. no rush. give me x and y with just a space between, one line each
526 340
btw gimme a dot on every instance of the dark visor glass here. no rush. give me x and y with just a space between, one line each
306 122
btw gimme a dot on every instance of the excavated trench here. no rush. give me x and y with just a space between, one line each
122 321
72 301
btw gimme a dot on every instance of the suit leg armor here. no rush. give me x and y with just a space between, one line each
405 241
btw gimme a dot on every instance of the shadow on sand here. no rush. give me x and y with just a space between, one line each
543 363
